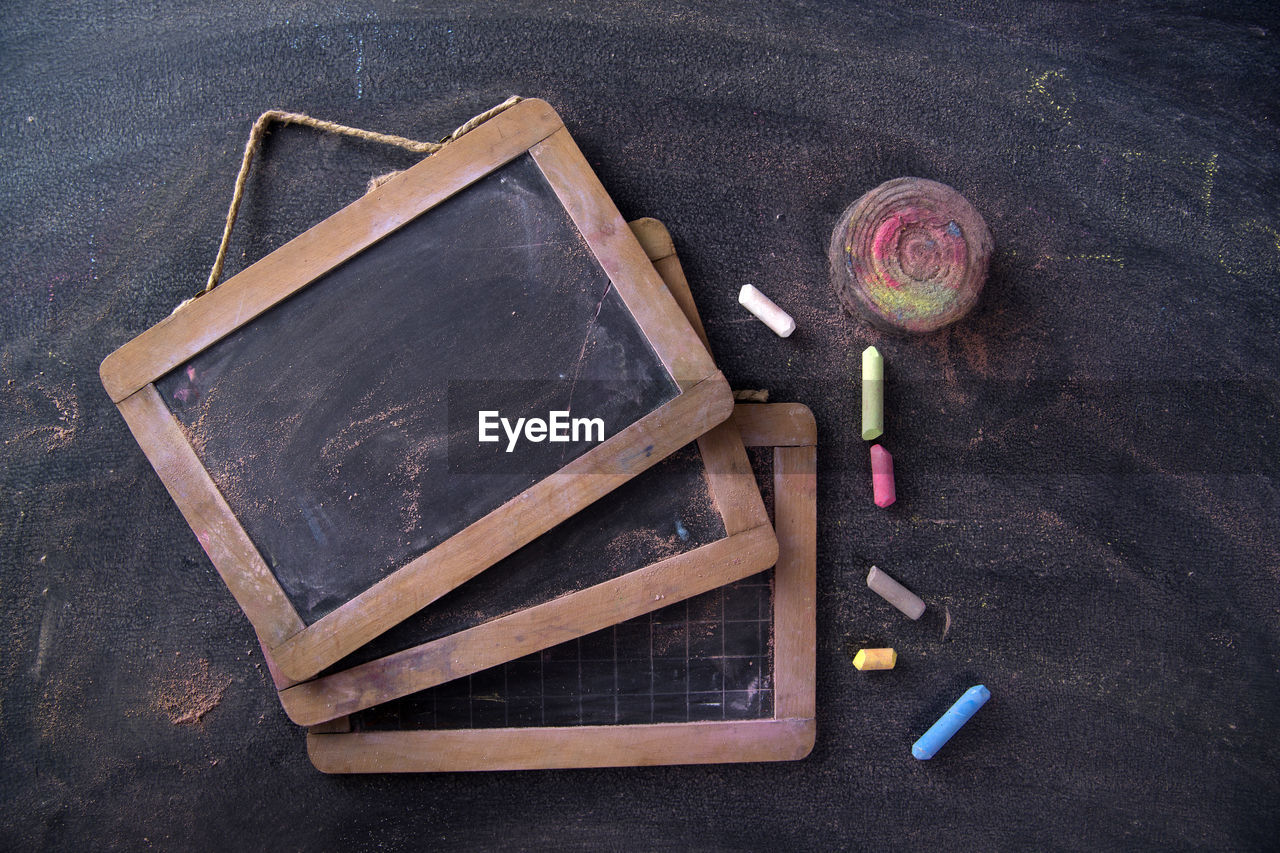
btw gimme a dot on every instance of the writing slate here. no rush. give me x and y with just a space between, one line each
341 426
315 417
666 510
708 658
733 668
689 524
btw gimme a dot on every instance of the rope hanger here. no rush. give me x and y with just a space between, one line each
280 116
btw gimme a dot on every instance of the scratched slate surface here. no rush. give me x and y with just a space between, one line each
1087 465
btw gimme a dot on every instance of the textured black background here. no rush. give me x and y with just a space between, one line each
1086 466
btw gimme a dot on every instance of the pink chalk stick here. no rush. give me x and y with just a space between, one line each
882 476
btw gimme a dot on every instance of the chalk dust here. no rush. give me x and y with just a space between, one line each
410 513
186 696
647 543
353 436
668 638
197 431
705 608
407 421
973 346
229 474
54 409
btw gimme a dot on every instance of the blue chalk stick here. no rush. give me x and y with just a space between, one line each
949 723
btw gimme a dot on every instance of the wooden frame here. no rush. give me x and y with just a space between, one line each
788 735
749 546
300 650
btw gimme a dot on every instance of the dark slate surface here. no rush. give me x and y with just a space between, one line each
666 510
1087 465
708 657
341 425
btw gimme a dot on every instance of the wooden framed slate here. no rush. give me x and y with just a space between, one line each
724 677
315 416
693 522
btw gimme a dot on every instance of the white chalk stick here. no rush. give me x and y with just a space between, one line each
766 312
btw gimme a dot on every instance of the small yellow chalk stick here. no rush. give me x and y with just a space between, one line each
875 659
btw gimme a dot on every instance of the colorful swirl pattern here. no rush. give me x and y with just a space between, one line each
910 256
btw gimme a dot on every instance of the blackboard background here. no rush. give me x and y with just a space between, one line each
1087 465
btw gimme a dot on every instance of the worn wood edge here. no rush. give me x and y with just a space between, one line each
775 424
732 483
502 531
277 677
202 322
795 580
733 486
669 268
206 511
622 258
532 629
657 242
654 238
340 726
553 748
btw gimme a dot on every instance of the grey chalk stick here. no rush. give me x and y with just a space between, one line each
895 593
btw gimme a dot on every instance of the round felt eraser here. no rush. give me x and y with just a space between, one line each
910 256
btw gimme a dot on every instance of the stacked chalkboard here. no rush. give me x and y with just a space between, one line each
430 600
